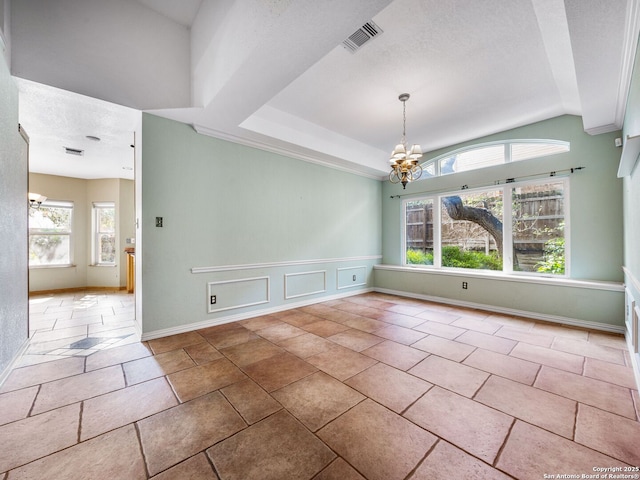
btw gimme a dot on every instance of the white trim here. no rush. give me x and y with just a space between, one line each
239 280
510 311
11 365
249 266
244 316
490 275
632 28
612 127
632 347
635 362
629 155
287 275
634 281
202 130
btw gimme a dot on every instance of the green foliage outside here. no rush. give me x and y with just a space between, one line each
453 256
416 257
553 257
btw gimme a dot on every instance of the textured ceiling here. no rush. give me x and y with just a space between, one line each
58 119
274 74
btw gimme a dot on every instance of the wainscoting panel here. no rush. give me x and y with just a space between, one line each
349 277
304 283
243 292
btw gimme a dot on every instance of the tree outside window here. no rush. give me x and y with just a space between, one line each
472 232
50 230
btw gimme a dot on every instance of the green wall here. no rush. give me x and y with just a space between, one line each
596 238
257 214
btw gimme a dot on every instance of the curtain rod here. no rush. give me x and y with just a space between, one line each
554 173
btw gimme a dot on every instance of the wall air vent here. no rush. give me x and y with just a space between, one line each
361 36
74 151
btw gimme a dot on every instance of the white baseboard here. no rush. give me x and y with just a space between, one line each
635 359
244 316
510 311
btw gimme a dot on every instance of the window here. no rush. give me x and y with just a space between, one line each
518 227
490 154
419 232
50 234
538 228
104 227
472 159
471 230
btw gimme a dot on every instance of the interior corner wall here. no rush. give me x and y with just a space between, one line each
13 226
596 228
259 230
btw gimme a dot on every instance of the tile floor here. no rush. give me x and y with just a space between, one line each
369 387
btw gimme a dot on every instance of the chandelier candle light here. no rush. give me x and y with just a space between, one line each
35 199
404 161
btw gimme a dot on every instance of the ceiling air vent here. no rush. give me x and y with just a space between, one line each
361 36
74 151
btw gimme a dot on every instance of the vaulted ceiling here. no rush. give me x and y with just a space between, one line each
275 74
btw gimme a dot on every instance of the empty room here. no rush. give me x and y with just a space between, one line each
314 240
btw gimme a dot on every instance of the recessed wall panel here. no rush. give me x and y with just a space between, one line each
351 277
232 294
304 283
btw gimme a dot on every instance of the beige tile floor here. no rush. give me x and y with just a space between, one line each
373 386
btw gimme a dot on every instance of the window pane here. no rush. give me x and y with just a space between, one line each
50 219
471 230
107 248
419 232
428 170
49 250
473 159
105 238
50 234
106 219
524 151
538 228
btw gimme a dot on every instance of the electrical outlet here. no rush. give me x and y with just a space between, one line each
213 300
464 285
158 221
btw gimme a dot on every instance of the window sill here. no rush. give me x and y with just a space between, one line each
102 265
500 276
40 267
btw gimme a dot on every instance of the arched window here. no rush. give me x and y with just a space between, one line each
490 154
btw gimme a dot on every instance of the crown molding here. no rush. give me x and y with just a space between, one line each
211 132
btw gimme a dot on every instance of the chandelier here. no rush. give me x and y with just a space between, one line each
404 161
35 199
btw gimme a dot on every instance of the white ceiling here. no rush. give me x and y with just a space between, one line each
55 119
273 73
